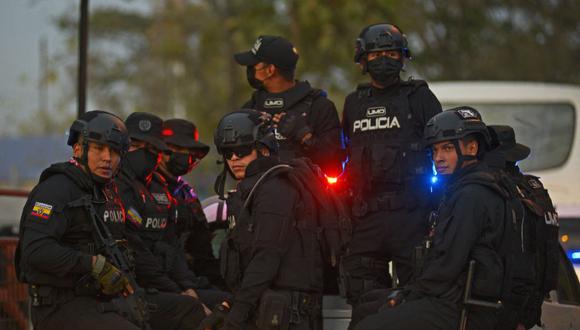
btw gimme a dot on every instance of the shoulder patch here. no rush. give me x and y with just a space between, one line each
41 210
534 183
134 217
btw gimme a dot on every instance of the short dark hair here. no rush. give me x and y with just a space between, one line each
473 137
287 74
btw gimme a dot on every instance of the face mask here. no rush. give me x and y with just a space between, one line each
251 75
384 70
179 164
142 161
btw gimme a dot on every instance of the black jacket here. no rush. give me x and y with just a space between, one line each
325 146
273 252
192 230
470 226
147 223
57 239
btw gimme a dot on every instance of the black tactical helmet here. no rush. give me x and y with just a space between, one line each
381 36
100 127
455 124
243 128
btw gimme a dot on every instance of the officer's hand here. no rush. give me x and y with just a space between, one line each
395 298
277 117
111 280
190 292
294 127
216 319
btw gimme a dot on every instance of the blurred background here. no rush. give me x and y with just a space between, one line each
174 58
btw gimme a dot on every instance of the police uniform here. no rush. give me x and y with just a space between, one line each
470 225
388 173
307 109
150 217
192 228
267 260
56 247
324 147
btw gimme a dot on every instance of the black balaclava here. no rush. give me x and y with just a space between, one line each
251 76
385 70
179 163
143 162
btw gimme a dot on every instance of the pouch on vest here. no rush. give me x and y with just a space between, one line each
230 263
274 310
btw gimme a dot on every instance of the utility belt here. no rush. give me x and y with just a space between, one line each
44 295
280 308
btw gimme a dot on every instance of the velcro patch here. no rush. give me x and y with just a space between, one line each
161 198
467 114
535 184
274 103
134 217
41 210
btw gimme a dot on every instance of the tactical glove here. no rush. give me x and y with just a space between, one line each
294 127
111 280
216 319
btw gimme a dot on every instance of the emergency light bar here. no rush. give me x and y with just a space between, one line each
574 256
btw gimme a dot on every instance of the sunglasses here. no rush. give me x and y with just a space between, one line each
240 152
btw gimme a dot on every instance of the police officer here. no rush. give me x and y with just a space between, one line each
388 171
57 255
468 225
307 121
192 229
150 211
269 258
540 239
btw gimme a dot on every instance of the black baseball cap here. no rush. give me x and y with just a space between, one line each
270 49
183 133
506 137
146 127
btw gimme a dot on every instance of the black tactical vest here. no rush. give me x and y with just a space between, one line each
154 210
385 149
297 100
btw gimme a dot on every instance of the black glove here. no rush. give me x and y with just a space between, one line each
293 126
216 319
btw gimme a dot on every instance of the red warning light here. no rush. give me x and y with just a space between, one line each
167 132
331 180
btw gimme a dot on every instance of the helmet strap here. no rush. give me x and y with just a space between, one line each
461 158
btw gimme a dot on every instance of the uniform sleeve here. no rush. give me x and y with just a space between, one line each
345 125
199 246
425 104
273 212
455 236
325 146
43 224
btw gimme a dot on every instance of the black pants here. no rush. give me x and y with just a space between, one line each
425 313
168 311
78 313
174 311
383 236
213 296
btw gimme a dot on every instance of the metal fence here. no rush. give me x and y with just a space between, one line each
14 307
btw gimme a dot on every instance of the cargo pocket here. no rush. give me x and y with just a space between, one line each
385 164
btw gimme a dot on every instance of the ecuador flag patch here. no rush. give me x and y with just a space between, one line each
41 210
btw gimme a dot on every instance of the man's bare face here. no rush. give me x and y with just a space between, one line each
445 155
102 160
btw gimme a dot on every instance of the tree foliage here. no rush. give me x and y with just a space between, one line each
175 59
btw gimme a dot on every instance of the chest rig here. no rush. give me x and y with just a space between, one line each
297 101
385 144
